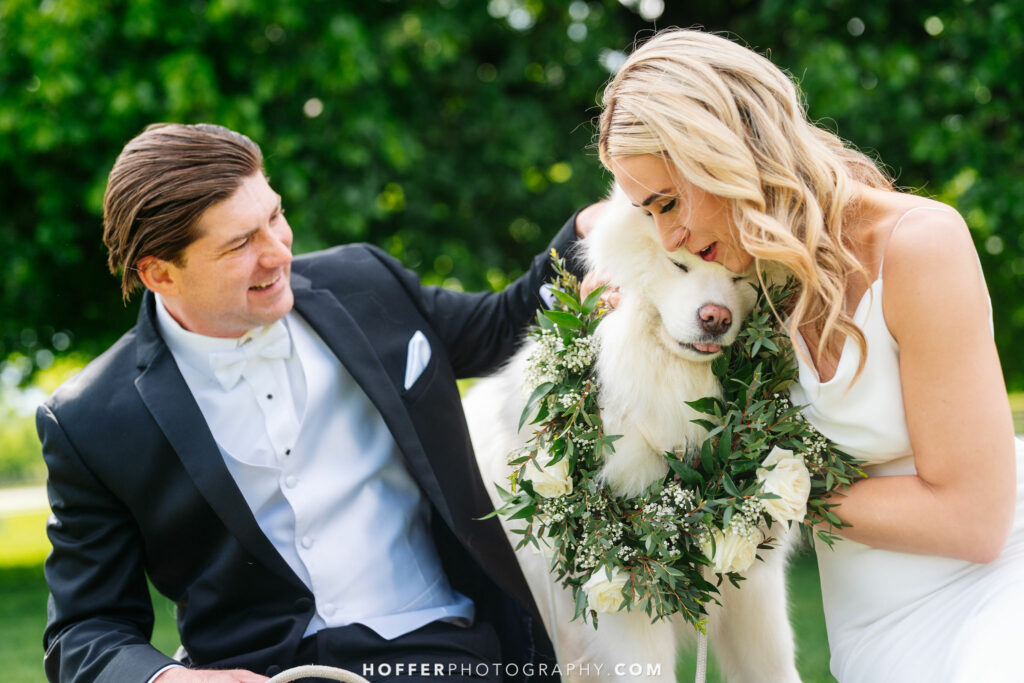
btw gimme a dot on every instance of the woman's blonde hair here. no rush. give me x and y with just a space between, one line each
734 125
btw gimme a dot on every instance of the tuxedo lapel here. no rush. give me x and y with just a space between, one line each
171 404
348 339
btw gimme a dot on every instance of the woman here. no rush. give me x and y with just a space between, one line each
928 583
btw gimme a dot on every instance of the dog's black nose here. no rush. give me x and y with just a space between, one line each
714 319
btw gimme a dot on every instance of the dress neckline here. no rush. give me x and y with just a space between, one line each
807 368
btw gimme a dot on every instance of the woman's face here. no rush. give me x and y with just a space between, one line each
686 216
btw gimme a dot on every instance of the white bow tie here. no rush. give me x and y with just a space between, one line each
272 342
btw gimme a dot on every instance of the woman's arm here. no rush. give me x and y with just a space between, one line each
960 504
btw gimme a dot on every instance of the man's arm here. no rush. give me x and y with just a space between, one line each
482 329
99 617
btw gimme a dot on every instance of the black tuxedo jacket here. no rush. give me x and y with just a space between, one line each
138 487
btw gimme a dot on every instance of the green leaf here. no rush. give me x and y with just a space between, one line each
730 486
545 323
581 603
523 512
704 405
568 301
590 303
707 459
725 444
685 472
540 392
564 320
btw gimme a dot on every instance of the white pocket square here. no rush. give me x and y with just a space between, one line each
417 358
546 296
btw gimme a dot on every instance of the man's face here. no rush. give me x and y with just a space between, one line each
235 276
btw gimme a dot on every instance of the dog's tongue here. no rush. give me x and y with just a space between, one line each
708 348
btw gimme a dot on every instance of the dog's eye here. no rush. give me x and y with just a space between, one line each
680 266
737 279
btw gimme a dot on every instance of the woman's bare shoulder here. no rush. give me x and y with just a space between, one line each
926 235
931 269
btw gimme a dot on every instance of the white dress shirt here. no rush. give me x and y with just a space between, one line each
323 477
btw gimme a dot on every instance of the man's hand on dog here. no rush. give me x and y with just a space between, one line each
586 219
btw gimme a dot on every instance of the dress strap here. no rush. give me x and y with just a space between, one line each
881 264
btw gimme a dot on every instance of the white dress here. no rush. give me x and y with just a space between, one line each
895 616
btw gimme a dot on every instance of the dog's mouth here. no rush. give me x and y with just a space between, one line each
706 348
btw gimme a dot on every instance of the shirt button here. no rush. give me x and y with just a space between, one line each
290 482
328 609
307 542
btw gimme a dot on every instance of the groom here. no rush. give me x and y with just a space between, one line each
279 446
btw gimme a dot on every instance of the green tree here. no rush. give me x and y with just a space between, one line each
455 133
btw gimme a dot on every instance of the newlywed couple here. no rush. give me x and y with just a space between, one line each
279 446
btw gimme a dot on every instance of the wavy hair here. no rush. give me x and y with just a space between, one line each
735 125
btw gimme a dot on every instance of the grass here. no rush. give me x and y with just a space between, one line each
23 539
1017 406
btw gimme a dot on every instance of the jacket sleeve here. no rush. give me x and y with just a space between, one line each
482 329
99 616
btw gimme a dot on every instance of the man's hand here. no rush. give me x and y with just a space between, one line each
588 217
594 279
180 674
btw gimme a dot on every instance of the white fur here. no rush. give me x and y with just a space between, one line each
645 373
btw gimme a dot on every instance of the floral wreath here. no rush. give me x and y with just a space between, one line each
761 462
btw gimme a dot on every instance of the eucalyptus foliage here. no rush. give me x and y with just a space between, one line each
661 538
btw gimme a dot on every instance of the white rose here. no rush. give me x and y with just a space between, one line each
604 593
789 480
549 481
733 552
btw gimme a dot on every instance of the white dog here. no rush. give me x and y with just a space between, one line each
675 313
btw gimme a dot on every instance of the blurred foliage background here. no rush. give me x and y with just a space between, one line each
454 133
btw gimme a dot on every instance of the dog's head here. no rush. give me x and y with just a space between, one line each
699 305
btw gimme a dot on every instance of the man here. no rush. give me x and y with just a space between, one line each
278 445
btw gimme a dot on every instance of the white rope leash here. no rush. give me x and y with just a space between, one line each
702 652
317 671
702 658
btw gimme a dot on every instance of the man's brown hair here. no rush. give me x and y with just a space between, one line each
161 183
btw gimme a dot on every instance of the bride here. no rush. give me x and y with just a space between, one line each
892 323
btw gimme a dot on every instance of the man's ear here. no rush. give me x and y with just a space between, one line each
158 276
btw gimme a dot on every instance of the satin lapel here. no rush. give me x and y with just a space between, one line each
169 400
349 342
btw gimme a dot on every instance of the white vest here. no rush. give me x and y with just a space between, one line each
339 505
